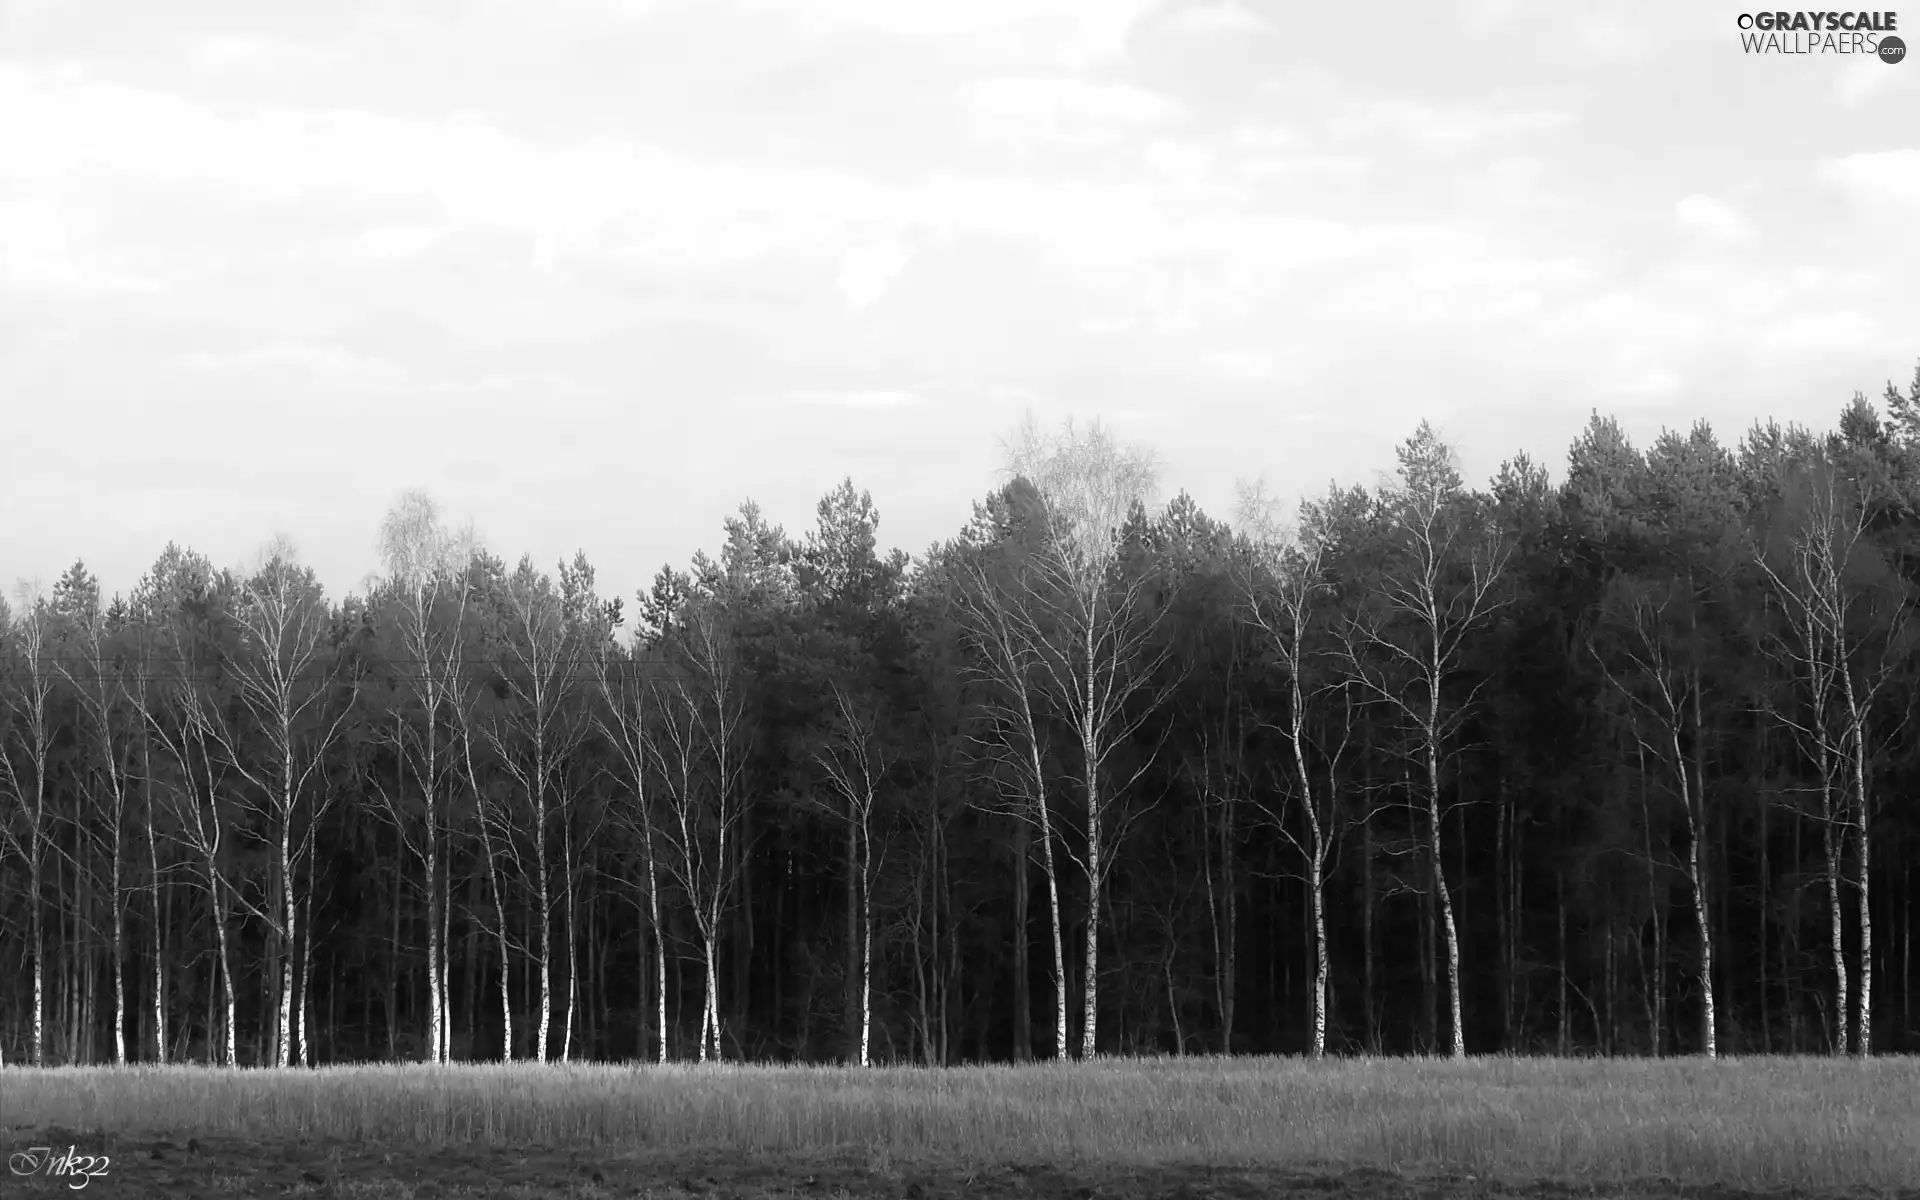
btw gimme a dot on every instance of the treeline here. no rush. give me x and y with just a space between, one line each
1622 764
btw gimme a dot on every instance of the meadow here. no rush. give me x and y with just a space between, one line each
1371 1125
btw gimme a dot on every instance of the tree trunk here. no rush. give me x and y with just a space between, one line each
119 943
710 1018
1862 811
159 913
289 912
228 1051
303 1003
499 921
543 913
1560 898
1225 947
1090 980
570 902
850 1005
1503 883
1022 993
1173 1002
659 943
866 949
1830 839
1456 1032
1366 933
1656 1002
37 930
393 973
1053 908
1696 822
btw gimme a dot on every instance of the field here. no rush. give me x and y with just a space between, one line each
1121 1128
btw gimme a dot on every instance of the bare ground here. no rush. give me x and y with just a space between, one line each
177 1164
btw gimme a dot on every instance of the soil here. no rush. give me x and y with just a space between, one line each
175 1164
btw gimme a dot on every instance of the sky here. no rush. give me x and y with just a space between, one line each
593 272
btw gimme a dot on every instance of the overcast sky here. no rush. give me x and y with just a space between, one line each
592 272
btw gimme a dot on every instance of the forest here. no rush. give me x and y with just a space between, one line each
1614 763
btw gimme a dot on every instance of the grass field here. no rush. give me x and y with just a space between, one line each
1119 1126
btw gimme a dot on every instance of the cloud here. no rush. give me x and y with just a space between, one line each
1439 129
1715 219
867 272
1820 334
40 250
335 364
1887 177
1062 109
243 53
1859 80
389 242
626 201
1068 33
1652 385
1214 19
855 398
1073 33
1252 366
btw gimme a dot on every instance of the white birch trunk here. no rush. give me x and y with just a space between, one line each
1457 1031
303 1000
159 956
1696 888
573 949
228 1050
1863 1020
283 1047
1053 914
1830 838
543 911
659 945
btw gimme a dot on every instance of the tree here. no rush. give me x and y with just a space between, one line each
1287 595
1091 626
1657 620
623 721
701 700
1442 559
190 698
845 621
855 760
1828 577
98 679
1005 659
29 829
425 593
534 735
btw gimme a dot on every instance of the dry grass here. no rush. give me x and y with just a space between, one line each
1803 1123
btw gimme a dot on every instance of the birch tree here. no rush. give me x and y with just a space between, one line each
1821 578
25 757
427 589
622 720
1433 590
534 737
700 755
1006 661
1091 623
190 700
855 761
98 679
284 679
1663 689
1287 594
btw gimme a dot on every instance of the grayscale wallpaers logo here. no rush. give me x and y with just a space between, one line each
1823 33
